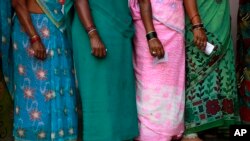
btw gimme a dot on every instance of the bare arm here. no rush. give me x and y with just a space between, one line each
24 17
20 7
155 46
146 14
83 9
200 38
192 11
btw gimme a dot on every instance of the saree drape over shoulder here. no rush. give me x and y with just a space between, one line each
160 88
5 72
44 95
107 85
243 62
211 95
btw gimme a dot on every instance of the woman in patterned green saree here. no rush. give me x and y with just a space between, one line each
211 95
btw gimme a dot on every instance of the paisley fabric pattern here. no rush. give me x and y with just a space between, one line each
211 93
160 87
45 107
6 104
243 60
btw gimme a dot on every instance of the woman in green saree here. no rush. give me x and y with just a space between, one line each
211 95
102 33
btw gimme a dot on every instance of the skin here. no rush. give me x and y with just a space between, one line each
200 38
23 9
97 46
155 45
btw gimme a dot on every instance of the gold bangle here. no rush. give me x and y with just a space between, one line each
152 39
91 31
34 36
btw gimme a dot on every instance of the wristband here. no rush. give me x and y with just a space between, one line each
90 28
34 39
200 25
151 35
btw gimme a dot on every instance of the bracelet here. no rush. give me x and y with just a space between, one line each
200 25
88 29
195 15
198 28
151 35
191 136
152 39
91 31
34 39
197 24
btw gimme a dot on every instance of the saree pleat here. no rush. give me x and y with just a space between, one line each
243 62
211 93
107 85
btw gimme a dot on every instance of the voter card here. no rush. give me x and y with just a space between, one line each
209 48
161 60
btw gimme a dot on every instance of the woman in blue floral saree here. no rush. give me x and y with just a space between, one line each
44 95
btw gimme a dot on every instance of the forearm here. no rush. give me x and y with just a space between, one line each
83 10
192 11
24 17
146 15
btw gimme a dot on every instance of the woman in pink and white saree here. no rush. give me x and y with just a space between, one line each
159 62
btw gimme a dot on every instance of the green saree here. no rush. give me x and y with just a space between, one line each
211 95
107 86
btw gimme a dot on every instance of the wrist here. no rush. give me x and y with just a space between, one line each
151 35
93 34
152 39
90 29
35 38
197 26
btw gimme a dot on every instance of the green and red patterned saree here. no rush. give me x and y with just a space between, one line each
211 94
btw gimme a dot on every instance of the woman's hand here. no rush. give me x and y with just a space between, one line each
200 38
98 48
38 50
156 48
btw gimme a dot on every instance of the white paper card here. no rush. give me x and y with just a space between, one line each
161 60
209 48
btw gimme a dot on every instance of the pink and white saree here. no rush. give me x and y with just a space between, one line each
160 87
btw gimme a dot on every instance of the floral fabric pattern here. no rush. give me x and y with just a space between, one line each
44 95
